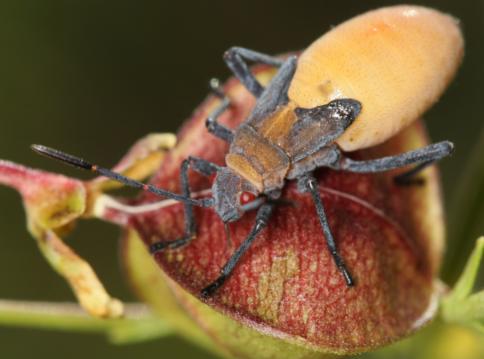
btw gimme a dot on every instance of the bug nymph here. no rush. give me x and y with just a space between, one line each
317 107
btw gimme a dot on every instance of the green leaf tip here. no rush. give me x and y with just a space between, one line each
461 305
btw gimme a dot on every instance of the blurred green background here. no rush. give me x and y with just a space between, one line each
91 77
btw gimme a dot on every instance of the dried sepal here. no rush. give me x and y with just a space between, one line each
53 203
141 161
84 282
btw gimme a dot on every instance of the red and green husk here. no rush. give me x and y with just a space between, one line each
286 297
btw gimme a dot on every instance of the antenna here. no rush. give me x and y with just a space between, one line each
85 165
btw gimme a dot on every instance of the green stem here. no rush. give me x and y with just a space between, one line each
137 325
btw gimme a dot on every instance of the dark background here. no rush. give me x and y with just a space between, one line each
91 77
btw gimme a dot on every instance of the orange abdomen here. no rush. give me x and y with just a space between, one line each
396 61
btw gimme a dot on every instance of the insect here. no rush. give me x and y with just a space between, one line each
307 117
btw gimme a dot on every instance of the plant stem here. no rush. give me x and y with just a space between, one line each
138 324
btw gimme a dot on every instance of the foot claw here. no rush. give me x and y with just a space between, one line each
210 290
159 246
409 181
348 278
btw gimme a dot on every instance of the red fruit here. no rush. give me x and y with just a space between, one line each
287 285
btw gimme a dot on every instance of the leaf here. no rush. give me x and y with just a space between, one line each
465 284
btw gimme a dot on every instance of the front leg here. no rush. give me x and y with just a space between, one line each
263 214
236 58
205 168
421 158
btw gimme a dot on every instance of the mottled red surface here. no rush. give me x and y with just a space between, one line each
287 280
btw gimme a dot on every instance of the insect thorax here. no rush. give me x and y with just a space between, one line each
258 152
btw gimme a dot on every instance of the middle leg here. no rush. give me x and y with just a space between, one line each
205 168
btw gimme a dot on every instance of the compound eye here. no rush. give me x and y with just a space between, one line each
345 108
247 197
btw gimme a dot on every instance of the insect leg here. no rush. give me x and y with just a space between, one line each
408 177
263 214
213 126
309 183
205 168
236 58
421 158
